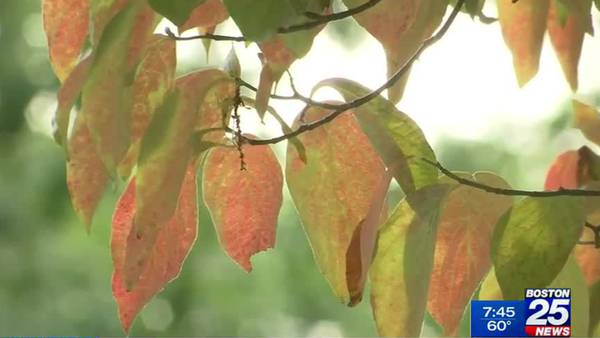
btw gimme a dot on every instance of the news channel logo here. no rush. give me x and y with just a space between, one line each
542 313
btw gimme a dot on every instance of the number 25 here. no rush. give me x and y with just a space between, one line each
555 309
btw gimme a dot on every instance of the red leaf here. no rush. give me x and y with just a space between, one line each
243 205
66 25
462 249
564 172
173 244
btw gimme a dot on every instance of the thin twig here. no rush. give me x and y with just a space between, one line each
207 36
318 19
511 192
341 108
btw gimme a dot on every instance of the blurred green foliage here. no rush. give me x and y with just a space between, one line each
55 279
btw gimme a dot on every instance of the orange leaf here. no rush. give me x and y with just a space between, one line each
173 244
400 26
208 14
66 26
567 40
462 250
86 175
333 191
564 172
243 205
523 25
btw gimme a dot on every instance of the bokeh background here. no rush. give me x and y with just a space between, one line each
55 279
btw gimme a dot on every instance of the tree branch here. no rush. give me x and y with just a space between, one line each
511 192
341 108
315 20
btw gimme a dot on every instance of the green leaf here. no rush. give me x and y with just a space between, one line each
332 190
259 19
106 95
397 138
535 232
177 11
402 266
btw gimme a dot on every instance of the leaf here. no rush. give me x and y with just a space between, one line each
535 232
209 14
154 78
243 205
397 138
101 13
359 256
106 96
400 26
66 25
177 11
333 190
232 64
403 261
173 244
567 39
490 289
86 175
67 96
523 26
462 249
166 151
587 120
279 53
571 277
259 19
564 172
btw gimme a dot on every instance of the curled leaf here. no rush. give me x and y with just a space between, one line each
244 205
